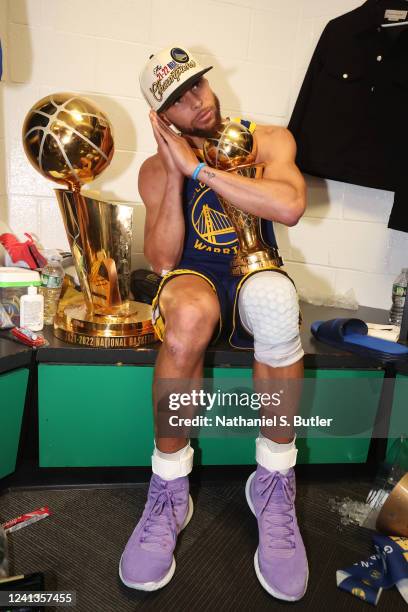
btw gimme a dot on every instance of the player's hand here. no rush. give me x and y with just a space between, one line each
164 151
181 152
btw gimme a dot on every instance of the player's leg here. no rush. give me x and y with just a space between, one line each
191 312
190 309
269 309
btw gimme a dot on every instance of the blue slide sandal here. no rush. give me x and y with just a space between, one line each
351 335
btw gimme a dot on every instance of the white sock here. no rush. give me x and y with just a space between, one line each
275 456
172 465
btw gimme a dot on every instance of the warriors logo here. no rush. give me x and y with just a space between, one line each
179 55
212 225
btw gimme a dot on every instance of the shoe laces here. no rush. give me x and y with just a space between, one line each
277 493
159 529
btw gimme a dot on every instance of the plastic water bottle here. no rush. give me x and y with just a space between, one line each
3 554
399 293
52 276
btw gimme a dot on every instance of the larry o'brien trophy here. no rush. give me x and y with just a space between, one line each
233 149
69 140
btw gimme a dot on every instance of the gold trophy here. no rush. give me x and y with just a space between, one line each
233 149
393 516
69 140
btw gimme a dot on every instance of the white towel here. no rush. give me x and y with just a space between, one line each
384 331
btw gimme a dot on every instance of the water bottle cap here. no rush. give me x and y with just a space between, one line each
32 290
53 255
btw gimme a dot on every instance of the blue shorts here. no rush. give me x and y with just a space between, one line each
227 288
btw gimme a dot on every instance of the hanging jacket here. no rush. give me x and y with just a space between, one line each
350 118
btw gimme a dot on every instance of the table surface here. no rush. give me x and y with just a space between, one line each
317 354
14 355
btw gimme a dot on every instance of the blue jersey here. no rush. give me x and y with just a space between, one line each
209 236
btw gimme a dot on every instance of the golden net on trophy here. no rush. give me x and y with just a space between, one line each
68 139
233 149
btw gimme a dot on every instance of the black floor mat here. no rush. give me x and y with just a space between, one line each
79 547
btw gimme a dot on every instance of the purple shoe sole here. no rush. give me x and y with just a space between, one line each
266 586
154 586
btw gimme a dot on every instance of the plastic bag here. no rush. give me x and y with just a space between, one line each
5 320
347 300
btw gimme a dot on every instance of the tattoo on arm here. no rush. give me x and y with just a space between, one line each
208 173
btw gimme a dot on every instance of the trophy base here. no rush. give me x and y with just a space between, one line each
251 262
74 324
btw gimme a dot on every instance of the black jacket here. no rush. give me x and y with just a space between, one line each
350 120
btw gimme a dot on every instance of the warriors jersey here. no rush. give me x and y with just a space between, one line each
209 236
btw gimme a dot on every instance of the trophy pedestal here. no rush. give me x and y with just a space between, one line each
75 324
243 263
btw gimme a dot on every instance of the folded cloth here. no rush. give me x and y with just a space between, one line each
386 568
383 330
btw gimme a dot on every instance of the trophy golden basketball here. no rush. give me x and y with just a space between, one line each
233 149
68 139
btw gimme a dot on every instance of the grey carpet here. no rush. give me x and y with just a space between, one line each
79 547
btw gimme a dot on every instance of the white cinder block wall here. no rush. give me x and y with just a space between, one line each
3 183
260 50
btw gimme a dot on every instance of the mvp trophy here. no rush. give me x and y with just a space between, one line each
69 140
233 149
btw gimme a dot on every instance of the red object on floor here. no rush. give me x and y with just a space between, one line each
23 251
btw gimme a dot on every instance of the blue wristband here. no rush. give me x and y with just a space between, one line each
197 170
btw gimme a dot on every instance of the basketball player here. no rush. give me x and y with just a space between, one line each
198 300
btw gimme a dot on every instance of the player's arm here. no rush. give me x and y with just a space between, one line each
164 223
280 195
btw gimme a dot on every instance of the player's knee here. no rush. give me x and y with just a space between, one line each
269 310
196 318
182 346
189 329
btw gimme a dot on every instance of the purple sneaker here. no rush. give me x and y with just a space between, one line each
280 560
148 563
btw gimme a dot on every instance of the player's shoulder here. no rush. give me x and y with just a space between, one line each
151 166
272 139
152 175
276 132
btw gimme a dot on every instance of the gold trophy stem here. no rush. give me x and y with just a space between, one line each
101 315
254 254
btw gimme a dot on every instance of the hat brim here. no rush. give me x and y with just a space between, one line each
181 89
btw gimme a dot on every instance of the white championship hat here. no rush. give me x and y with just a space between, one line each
167 75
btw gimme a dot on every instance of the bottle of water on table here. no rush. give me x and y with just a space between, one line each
52 276
399 293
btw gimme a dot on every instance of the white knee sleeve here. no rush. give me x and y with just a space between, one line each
269 310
